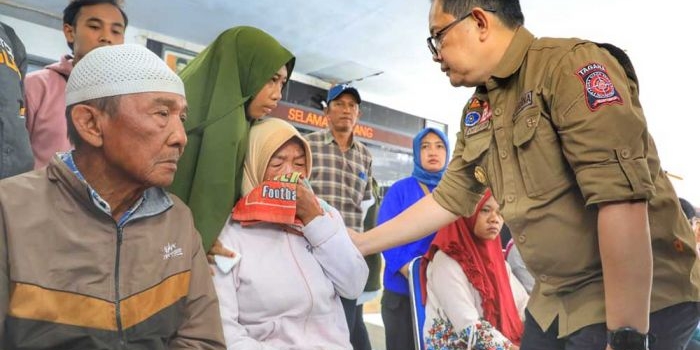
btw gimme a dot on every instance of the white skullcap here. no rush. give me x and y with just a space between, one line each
120 70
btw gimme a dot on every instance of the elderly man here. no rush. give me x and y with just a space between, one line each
94 253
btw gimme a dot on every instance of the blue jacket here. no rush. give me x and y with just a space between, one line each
401 195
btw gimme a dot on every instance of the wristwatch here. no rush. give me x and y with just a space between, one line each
627 338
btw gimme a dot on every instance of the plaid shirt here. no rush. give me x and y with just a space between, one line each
341 179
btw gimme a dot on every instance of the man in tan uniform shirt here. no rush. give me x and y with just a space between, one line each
556 130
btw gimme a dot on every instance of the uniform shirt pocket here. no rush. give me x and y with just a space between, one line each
475 146
475 154
538 148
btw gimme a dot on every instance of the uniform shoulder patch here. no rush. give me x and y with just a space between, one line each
597 86
471 118
474 103
477 117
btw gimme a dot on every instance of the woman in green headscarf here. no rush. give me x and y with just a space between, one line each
234 81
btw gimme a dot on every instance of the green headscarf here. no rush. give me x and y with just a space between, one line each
218 83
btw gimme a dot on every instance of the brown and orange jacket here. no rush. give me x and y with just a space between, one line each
72 278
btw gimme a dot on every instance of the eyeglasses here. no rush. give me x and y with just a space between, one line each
435 40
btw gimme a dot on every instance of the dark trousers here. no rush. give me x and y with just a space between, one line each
398 324
356 324
671 326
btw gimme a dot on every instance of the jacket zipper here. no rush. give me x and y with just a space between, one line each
117 304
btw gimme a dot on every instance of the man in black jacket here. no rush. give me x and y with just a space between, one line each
15 152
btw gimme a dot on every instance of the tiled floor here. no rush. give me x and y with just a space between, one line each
375 328
374 324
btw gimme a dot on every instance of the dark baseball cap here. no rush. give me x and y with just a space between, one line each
688 209
340 89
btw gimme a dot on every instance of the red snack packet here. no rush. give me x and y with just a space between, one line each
271 201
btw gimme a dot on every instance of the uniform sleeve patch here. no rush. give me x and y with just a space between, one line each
474 103
598 88
477 117
471 118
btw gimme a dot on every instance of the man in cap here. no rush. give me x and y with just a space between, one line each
94 254
342 177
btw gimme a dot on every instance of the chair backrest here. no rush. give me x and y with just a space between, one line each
417 307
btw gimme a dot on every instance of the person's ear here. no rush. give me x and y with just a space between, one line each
483 21
359 112
87 124
69 33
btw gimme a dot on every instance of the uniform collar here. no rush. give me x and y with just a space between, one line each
513 57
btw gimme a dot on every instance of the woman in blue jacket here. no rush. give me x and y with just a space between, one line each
430 152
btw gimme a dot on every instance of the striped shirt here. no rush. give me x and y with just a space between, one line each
341 178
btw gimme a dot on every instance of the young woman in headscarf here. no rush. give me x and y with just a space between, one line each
473 300
430 152
236 80
284 293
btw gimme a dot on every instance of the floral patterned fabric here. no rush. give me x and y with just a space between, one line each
481 336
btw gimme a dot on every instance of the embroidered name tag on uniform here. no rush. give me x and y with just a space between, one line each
476 128
477 116
598 88
524 102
